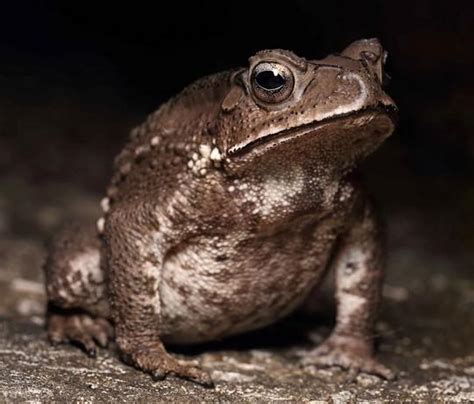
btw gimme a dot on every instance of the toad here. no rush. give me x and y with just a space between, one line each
226 209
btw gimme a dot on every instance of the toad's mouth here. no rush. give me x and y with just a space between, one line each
312 128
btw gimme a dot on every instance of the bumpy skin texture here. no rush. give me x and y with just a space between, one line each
226 209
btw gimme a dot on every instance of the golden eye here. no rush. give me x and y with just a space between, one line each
271 82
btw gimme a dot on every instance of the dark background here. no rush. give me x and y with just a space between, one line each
76 76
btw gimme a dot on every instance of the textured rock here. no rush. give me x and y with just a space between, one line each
32 370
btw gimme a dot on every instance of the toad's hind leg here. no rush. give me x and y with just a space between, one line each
76 289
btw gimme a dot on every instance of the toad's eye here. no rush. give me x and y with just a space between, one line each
272 82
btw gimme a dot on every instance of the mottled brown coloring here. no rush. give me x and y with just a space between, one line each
227 207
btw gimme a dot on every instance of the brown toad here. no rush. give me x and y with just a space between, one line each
227 207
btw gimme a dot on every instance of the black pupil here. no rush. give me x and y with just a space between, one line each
268 80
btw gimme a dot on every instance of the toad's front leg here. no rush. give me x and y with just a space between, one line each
136 247
359 272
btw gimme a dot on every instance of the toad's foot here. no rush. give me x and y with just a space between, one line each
353 354
160 364
81 329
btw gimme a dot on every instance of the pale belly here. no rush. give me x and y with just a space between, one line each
215 288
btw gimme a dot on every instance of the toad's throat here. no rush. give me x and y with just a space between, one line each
302 130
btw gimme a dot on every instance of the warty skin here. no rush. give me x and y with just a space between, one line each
227 208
